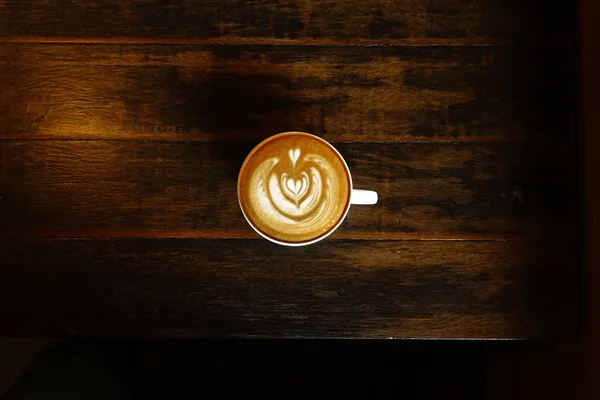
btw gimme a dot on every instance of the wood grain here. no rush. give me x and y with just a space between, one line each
342 93
174 287
124 123
188 189
292 20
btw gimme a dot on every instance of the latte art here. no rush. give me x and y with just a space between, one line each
294 188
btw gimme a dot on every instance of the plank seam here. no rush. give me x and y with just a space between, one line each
486 42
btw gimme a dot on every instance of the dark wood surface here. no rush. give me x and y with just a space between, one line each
188 189
336 288
293 20
123 126
343 93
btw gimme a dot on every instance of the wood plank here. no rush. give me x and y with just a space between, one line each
179 189
292 20
175 287
343 93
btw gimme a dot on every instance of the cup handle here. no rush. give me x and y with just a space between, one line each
363 197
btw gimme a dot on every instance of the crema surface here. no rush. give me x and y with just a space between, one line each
294 188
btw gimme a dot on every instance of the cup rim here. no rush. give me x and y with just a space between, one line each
328 232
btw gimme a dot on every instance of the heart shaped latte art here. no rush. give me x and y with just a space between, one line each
295 188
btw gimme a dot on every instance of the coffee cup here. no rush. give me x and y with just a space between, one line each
295 189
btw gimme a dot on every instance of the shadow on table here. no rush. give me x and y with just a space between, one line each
163 369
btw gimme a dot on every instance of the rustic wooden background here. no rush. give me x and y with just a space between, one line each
123 125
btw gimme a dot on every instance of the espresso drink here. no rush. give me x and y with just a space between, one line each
294 188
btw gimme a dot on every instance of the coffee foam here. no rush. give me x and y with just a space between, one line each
294 188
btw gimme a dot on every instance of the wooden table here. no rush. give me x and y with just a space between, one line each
123 125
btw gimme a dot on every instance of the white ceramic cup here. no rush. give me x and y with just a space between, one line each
357 197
